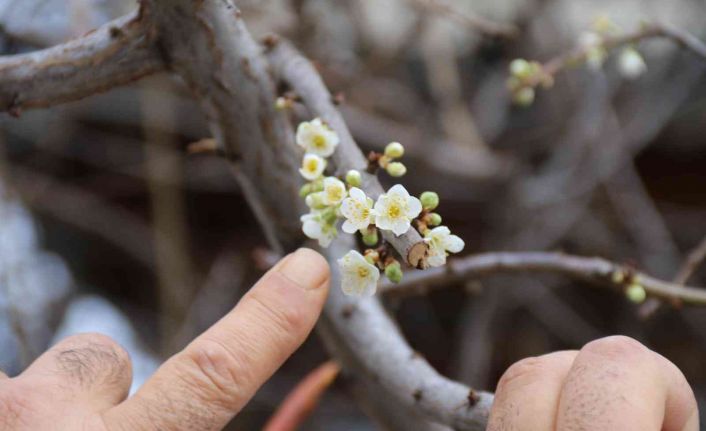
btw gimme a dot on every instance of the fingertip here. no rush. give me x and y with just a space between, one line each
306 268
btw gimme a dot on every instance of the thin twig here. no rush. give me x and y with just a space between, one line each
599 271
119 52
695 258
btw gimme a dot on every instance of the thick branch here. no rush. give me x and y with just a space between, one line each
115 54
207 44
370 344
303 78
592 269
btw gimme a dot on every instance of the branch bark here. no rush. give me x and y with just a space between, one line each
593 269
115 54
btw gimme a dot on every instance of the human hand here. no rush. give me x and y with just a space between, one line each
83 381
611 384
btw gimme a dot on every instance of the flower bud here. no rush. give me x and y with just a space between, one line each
524 96
434 219
306 190
394 150
520 68
372 256
329 215
636 293
393 272
370 236
396 169
353 178
315 200
430 200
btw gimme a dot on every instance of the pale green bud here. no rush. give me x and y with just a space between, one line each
434 219
520 68
353 178
524 96
305 190
329 215
430 200
394 150
393 272
372 256
370 236
315 200
396 169
636 293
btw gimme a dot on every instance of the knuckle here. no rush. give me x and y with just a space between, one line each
616 347
216 373
94 358
521 374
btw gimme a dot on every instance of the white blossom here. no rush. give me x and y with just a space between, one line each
395 210
312 166
441 241
358 211
358 276
317 138
334 191
316 226
631 64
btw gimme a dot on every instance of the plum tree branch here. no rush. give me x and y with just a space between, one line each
119 52
592 269
302 77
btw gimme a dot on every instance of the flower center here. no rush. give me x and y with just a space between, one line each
319 141
363 272
335 194
312 165
394 211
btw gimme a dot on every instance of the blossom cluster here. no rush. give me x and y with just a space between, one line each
331 200
593 50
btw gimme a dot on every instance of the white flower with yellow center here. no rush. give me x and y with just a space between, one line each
358 276
358 211
395 210
312 167
316 226
334 191
316 137
441 241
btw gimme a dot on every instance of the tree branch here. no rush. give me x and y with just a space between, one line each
596 270
115 54
302 77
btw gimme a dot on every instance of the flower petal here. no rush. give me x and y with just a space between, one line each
349 227
358 194
414 207
453 243
400 226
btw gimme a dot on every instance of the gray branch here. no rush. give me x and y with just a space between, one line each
592 269
117 53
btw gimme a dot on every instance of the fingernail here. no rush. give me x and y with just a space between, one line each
306 268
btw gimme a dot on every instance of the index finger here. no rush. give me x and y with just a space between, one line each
208 382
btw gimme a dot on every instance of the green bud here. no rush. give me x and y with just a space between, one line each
393 272
394 150
396 169
329 215
317 185
434 219
372 256
636 293
520 68
353 178
430 200
306 190
315 200
370 236
524 96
